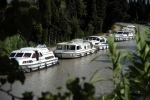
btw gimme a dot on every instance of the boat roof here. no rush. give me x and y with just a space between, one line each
130 26
40 48
97 36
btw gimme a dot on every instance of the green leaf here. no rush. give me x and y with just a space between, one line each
46 96
89 89
95 76
27 96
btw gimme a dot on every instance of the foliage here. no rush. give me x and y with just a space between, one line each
19 16
139 10
11 73
116 11
45 9
140 67
12 43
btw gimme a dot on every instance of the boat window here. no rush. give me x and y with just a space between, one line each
72 47
119 32
78 47
19 55
67 47
125 33
59 47
94 38
40 54
84 47
27 55
98 39
33 56
49 57
12 54
101 40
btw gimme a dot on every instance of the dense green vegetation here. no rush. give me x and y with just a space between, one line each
52 21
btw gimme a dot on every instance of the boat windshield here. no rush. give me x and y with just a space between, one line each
102 40
119 32
19 55
59 47
71 47
126 33
92 38
12 54
27 55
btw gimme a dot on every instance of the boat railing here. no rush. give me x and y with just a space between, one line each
41 46
77 40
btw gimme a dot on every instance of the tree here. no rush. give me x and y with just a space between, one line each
20 16
45 9
91 13
101 13
116 11
3 5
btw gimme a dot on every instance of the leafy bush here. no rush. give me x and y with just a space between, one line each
12 43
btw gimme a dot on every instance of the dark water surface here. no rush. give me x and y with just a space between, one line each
53 77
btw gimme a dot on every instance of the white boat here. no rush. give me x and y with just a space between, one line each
123 35
34 58
75 48
99 42
131 28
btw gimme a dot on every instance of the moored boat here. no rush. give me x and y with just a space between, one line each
74 49
99 42
34 58
124 35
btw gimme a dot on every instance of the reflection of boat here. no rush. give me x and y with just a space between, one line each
30 58
99 42
75 48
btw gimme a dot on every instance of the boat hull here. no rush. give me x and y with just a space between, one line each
39 65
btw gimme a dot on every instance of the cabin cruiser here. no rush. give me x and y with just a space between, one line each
34 58
131 28
123 35
99 42
74 49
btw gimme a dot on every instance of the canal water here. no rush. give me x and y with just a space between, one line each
49 79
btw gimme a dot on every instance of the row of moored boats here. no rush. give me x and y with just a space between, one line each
36 58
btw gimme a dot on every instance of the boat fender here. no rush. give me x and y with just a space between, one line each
38 67
52 64
57 62
45 65
30 69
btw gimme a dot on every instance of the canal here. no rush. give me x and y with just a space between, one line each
53 77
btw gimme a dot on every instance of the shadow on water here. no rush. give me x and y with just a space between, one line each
127 47
105 61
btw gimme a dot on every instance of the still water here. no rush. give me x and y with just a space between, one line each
53 77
